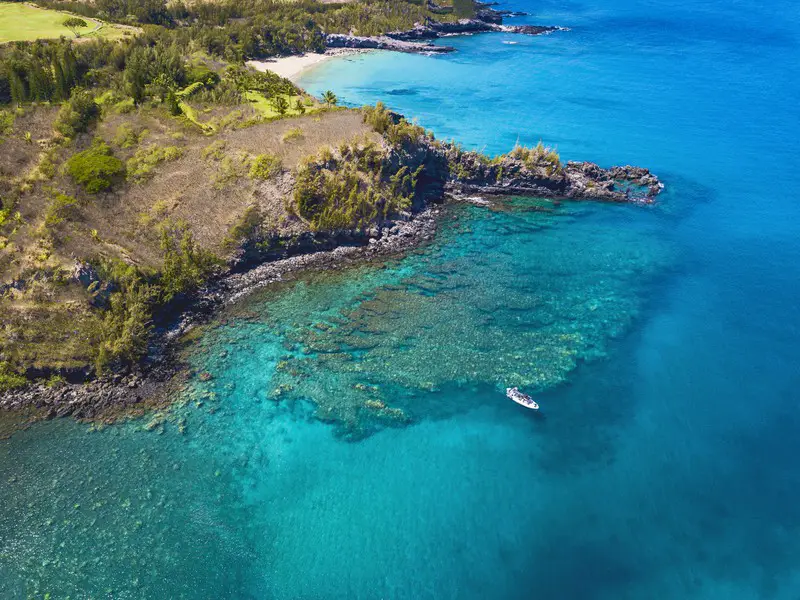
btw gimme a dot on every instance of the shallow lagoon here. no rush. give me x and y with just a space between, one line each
664 461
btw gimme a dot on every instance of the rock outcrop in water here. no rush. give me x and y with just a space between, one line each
541 173
446 168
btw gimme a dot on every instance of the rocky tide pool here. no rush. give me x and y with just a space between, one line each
352 438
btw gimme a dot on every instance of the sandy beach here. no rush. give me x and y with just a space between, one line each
292 67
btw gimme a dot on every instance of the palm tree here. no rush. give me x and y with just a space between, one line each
281 105
330 98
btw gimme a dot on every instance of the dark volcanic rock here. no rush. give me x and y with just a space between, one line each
471 173
434 29
337 40
486 20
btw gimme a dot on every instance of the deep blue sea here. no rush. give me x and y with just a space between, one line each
355 442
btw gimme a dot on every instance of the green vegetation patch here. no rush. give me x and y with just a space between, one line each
141 165
125 328
24 22
280 106
268 83
186 265
295 133
398 131
96 168
265 166
77 113
128 137
351 189
6 122
229 169
10 380
540 156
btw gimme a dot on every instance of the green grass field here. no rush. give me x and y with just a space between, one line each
22 22
266 108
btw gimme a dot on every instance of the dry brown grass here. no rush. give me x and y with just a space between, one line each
122 223
193 189
58 334
51 324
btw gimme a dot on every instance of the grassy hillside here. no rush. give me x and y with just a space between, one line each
132 171
112 209
23 22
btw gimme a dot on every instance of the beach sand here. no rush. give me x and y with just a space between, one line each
291 67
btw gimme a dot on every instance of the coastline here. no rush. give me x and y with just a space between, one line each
293 67
150 385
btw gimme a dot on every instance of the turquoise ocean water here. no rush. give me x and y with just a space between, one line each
354 441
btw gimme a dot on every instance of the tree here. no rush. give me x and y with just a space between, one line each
77 113
19 93
281 104
330 98
300 106
75 24
137 73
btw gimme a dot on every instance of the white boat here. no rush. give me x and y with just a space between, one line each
520 398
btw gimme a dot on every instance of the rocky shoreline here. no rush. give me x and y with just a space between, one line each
448 171
383 42
575 181
419 39
149 384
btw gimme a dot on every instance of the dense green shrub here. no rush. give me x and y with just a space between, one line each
96 168
351 190
140 166
126 325
76 114
128 137
6 122
153 70
186 265
9 379
230 169
397 130
538 156
268 83
200 73
265 166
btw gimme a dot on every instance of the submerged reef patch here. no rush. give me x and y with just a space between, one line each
515 295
